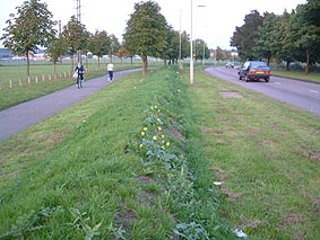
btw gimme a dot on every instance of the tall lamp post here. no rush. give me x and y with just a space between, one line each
191 47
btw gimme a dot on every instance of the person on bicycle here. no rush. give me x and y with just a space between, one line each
80 71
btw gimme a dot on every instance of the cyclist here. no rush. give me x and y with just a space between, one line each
80 71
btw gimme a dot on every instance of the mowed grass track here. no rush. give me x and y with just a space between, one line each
267 154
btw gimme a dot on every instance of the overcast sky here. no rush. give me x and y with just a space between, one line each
215 23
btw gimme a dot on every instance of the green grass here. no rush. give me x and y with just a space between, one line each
314 77
19 94
81 174
266 154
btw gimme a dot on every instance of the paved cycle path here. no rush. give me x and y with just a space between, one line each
24 115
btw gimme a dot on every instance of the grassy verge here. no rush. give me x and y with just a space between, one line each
313 77
267 156
88 172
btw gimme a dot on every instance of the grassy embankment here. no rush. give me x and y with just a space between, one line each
18 94
313 77
112 168
266 154
76 173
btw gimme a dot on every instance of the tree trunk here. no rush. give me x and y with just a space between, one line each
145 65
308 53
87 61
288 66
98 62
54 67
131 60
72 62
28 65
121 61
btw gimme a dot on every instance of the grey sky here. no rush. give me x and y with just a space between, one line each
215 23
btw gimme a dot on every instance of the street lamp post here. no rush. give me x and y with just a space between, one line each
191 47
180 44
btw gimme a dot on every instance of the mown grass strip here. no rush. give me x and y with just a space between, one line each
266 154
74 176
313 77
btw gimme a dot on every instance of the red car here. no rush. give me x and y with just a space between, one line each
254 70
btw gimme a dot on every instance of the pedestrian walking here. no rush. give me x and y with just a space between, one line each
110 71
79 71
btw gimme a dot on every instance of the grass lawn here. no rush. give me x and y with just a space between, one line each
10 97
140 160
314 77
126 163
267 155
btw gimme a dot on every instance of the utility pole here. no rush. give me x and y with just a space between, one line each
79 23
60 58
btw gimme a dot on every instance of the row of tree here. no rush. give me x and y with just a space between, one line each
286 38
147 34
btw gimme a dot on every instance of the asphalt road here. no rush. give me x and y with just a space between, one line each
24 115
304 95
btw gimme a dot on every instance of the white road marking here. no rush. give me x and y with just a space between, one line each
277 83
313 91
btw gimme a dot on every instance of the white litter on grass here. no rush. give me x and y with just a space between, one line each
217 183
240 234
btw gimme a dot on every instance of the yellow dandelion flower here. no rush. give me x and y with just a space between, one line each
154 138
141 145
145 129
158 119
163 148
155 107
162 136
143 133
167 144
159 128
151 107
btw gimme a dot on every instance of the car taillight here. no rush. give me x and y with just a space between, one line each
252 72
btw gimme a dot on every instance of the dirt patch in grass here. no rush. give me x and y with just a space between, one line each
292 219
145 180
146 198
313 155
231 195
222 176
176 133
254 224
125 218
230 94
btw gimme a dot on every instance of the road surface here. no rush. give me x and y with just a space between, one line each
304 95
24 115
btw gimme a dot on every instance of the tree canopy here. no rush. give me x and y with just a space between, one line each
30 28
288 37
146 32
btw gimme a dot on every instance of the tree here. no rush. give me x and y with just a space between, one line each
99 44
29 29
305 30
114 45
282 44
76 37
244 37
121 53
171 51
263 44
145 33
56 48
185 45
200 49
